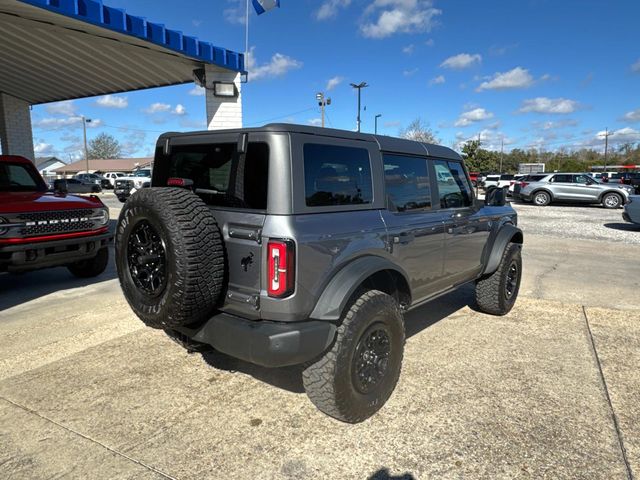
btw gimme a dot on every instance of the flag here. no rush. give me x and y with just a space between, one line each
263 6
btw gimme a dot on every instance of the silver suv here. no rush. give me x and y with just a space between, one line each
573 187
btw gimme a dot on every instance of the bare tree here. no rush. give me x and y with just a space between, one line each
420 132
104 146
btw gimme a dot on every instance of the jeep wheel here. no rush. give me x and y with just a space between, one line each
170 257
496 293
541 199
612 200
357 376
92 267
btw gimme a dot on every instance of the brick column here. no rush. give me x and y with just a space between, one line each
16 136
223 112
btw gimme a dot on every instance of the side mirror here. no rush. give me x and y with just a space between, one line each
496 197
60 186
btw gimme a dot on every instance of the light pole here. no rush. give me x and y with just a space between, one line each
323 103
376 122
359 87
606 134
86 149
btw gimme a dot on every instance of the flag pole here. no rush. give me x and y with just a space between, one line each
246 38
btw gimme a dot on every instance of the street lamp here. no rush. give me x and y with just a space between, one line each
359 87
322 102
86 150
376 122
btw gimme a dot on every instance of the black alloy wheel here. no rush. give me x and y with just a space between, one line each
146 259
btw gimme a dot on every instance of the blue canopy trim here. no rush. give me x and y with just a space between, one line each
118 20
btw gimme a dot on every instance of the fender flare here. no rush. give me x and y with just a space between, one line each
504 236
343 285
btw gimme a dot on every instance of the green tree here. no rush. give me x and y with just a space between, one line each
478 159
104 146
420 132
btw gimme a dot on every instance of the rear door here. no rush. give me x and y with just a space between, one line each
415 226
234 185
563 187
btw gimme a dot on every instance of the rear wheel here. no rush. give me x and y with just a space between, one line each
612 200
92 267
170 257
541 199
357 376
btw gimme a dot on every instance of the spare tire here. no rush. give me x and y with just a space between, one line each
170 257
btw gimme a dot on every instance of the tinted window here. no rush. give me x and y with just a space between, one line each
221 176
453 188
506 177
533 178
336 175
407 182
18 178
562 179
582 179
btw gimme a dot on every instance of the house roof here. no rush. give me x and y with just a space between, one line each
56 50
105 165
44 162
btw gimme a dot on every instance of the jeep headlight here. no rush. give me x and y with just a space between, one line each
102 217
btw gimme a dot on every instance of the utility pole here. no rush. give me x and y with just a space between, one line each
501 152
606 147
86 149
359 87
322 102
376 122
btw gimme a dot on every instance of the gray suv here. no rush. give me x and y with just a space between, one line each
572 187
287 245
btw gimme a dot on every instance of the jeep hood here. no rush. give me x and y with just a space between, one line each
18 202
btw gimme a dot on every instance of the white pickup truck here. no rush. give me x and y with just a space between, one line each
499 181
127 186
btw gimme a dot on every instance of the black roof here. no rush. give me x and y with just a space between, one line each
385 143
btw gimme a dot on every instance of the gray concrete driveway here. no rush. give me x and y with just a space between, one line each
549 391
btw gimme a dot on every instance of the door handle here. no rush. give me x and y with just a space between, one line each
404 238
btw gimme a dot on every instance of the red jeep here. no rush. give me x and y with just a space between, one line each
41 229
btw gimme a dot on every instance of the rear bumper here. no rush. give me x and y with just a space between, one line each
270 344
34 256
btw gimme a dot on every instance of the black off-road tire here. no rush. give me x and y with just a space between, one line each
191 254
92 267
541 198
497 293
331 382
612 200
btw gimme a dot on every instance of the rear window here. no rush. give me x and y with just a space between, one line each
533 178
506 177
335 175
221 176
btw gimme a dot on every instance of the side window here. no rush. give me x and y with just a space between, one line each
453 188
582 179
335 175
562 179
407 182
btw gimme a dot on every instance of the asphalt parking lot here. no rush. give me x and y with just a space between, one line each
549 391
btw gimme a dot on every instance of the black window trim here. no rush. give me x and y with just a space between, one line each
434 184
392 208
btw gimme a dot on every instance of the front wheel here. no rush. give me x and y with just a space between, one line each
612 200
496 293
92 267
354 379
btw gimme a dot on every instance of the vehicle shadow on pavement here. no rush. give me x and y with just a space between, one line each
384 474
16 289
625 227
290 378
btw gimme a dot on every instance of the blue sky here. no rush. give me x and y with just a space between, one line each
532 73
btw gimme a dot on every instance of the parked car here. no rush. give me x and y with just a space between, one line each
574 187
473 176
41 229
500 181
93 178
516 178
112 177
288 244
523 181
632 210
128 185
73 185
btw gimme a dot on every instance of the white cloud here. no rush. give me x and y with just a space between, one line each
235 14
329 8
64 123
636 67
113 101
392 124
632 116
490 139
616 137
430 43
461 61
409 73
473 116
197 91
196 23
157 108
68 107
278 66
179 110
517 78
315 122
43 149
437 80
333 83
408 49
549 105
398 16
554 125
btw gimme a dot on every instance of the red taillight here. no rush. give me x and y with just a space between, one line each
179 182
281 268
523 184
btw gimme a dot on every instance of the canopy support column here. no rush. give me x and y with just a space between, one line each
223 111
16 136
